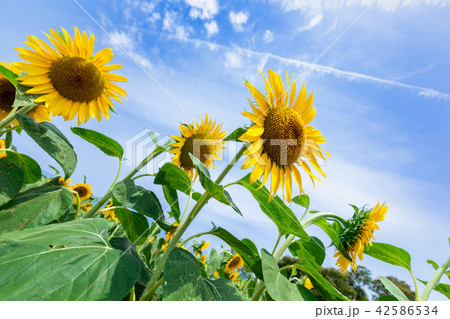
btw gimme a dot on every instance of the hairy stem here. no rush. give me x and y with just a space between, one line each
435 280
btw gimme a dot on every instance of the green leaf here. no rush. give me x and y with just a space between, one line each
30 167
387 298
249 255
36 207
235 134
69 261
172 175
11 180
138 198
321 284
214 262
135 225
307 295
106 144
216 190
442 288
302 200
313 251
171 196
226 289
9 75
331 232
182 279
51 140
277 285
276 210
436 267
393 289
390 254
124 244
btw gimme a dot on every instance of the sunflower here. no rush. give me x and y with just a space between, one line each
71 79
8 95
84 190
169 234
204 141
359 234
233 276
2 146
65 182
86 207
109 213
234 263
204 245
308 284
203 259
281 137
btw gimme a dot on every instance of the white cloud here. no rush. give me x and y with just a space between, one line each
211 28
238 20
127 42
178 31
387 5
154 17
268 36
313 22
233 59
203 9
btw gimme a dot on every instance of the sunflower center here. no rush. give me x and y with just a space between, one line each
234 263
284 136
81 190
77 79
198 145
7 94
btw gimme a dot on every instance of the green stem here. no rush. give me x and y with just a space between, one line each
194 236
304 214
435 280
258 291
182 228
152 291
276 244
142 247
113 232
310 220
78 206
11 116
187 207
143 175
415 285
12 128
117 176
132 294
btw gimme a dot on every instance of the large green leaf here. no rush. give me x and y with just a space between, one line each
276 210
442 288
12 179
30 167
321 284
334 236
227 290
216 190
248 254
138 198
313 251
69 261
277 285
182 279
135 225
173 176
106 144
390 254
393 289
36 207
51 140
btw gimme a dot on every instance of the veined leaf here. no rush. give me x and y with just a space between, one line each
390 254
30 167
11 180
106 144
393 289
172 175
135 225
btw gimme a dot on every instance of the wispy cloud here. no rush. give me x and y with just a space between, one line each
203 9
238 20
268 36
211 28
313 22
178 30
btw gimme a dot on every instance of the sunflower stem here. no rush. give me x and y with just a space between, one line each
12 115
193 236
12 128
78 206
310 220
117 176
435 280
276 244
142 247
415 285
258 291
132 295
143 175
187 206
231 164
113 232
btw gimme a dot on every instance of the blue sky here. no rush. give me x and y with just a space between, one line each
381 91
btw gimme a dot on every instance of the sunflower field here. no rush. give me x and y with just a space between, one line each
60 242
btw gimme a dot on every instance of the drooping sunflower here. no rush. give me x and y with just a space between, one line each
169 234
204 141
204 245
281 137
72 80
203 259
8 95
84 191
359 234
109 213
234 263
2 146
